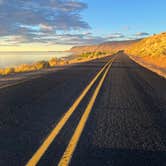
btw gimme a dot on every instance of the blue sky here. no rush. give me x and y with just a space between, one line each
126 16
60 24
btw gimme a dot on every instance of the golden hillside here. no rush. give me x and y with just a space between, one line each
151 53
151 46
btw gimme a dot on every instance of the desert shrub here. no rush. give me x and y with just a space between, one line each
85 54
53 62
33 67
63 62
7 71
80 58
41 65
92 54
24 68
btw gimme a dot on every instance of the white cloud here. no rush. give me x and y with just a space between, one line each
1 2
47 21
44 27
116 35
83 38
12 40
141 34
22 17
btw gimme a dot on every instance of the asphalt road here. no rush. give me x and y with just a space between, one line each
126 126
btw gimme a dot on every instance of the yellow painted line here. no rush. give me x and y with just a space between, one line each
66 158
44 146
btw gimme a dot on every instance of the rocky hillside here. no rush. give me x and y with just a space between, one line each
151 46
150 52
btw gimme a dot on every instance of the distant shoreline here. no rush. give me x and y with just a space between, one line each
15 58
52 62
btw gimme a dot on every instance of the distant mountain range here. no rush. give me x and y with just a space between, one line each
107 46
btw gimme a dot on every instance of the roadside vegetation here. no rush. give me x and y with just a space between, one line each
88 55
52 63
92 55
33 67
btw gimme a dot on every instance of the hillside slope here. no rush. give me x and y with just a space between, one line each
151 53
107 47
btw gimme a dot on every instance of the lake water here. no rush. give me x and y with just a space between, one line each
9 59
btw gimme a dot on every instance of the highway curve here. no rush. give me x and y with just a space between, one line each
120 119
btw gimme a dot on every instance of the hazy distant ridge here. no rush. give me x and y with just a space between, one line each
107 46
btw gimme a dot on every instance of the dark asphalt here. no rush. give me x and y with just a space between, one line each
127 126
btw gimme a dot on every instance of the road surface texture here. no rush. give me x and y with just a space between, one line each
126 126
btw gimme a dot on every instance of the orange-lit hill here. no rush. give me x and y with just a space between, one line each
151 52
107 47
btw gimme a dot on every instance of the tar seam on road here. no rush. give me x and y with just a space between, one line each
66 158
19 82
47 142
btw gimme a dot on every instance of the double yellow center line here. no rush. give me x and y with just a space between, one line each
75 138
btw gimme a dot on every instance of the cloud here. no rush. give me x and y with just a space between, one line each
12 40
84 38
48 22
116 35
70 39
1 1
44 27
141 34
22 17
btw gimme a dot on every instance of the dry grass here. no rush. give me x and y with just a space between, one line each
84 57
33 67
53 62
6 71
88 56
150 51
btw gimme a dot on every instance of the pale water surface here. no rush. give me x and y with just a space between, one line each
9 59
